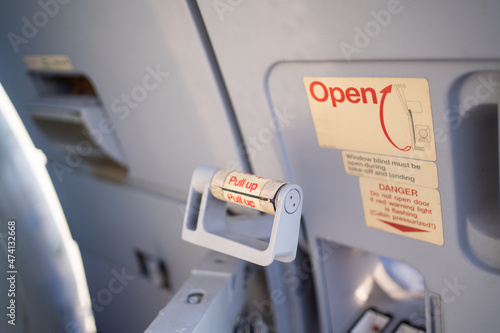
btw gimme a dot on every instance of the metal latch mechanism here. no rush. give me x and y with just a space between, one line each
206 223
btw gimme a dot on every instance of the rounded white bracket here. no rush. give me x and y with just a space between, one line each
206 224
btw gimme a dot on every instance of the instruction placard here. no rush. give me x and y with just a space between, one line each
245 183
389 116
411 211
401 170
241 199
48 62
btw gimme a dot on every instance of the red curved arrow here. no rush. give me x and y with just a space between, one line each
384 92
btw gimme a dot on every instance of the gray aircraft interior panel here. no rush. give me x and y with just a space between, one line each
130 100
152 90
292 45
118 289
335 210
134 229
249 38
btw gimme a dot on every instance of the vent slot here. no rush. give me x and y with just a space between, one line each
63 84
71 116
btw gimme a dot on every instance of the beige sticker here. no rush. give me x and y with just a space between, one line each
390 116
407 210
55 62
244 183
396 169
242 199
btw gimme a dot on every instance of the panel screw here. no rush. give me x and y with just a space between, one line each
292 201
194 298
